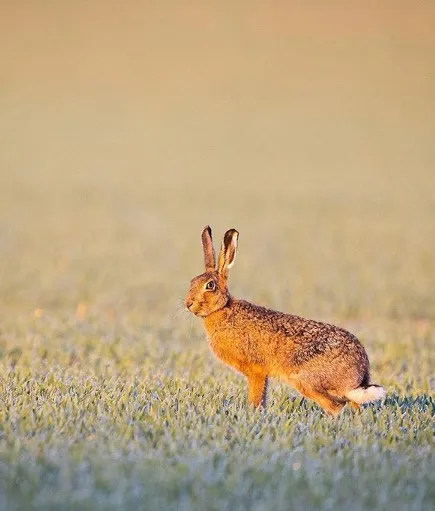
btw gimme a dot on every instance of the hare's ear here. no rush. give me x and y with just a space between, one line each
207 245
228 251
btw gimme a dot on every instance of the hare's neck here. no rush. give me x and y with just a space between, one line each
216 319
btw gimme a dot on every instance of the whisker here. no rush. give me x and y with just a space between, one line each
180 310
190 328
177 313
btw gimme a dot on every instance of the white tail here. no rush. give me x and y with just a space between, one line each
365 395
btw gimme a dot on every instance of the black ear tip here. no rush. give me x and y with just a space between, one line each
230 234
207 229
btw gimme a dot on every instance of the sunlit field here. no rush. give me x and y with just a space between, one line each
109 396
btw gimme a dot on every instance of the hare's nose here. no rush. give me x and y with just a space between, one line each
188 304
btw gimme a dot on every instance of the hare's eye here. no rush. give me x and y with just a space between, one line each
211 285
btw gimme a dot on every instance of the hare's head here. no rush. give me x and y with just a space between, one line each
209 291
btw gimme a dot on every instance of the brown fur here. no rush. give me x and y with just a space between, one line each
322 361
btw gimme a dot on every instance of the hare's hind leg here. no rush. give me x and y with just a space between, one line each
328 403
257 389
324 400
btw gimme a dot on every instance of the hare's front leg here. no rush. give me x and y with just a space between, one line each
257 389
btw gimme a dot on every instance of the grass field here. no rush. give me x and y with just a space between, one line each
109 397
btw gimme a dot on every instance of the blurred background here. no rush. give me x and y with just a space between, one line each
126 127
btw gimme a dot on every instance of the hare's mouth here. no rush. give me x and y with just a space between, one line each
194 308
198 312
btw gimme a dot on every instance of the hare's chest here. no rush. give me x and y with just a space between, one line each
227 349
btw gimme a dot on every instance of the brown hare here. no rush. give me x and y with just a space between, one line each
323 362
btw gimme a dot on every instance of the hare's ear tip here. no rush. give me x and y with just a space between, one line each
231 236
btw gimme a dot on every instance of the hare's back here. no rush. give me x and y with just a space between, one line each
313 339
300 338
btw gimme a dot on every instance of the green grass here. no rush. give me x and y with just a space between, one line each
98 428
110 399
